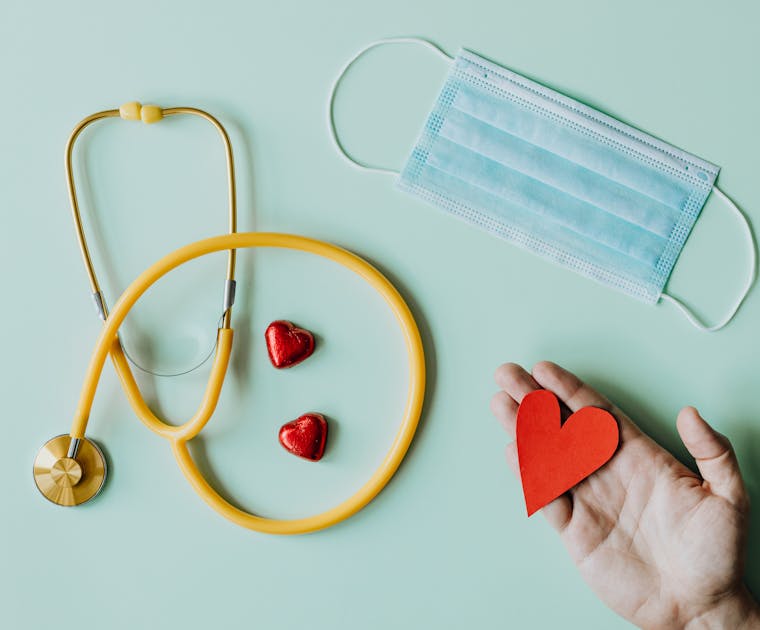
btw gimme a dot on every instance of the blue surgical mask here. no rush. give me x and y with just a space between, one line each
558 178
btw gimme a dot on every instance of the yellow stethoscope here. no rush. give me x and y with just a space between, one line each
71 469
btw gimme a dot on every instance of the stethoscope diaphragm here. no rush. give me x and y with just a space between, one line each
69 478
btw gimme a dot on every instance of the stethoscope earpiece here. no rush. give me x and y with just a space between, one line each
68 471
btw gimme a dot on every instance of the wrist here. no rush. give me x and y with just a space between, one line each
739 611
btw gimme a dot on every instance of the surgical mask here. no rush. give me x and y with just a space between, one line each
557 177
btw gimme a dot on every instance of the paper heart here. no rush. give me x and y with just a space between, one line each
554 456
287 345
305 436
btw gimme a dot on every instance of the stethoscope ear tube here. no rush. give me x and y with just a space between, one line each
150 114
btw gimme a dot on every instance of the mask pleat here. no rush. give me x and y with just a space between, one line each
574 146
549 239
547 203
560 173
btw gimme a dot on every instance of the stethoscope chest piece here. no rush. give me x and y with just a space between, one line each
69 472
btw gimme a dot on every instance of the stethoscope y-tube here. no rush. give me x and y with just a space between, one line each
179 436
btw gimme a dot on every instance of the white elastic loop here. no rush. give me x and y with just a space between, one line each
331 113
747 286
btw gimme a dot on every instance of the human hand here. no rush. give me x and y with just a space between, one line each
660 545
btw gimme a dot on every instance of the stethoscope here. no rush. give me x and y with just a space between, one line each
71 469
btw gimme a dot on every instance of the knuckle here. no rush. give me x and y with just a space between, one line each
542 367
506 373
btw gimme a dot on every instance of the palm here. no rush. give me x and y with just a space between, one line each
652 539
645 520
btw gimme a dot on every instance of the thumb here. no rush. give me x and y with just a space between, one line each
714 456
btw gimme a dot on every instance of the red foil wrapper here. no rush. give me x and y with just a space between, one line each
288 345
305 436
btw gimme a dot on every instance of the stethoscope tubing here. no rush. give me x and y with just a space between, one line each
179 436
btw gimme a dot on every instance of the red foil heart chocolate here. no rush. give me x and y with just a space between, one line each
554 456
305 436
288 345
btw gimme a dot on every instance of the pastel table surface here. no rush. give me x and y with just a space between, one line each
447 543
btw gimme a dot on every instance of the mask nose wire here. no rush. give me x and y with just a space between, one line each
687 312
366 166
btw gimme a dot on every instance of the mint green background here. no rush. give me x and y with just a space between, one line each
447 544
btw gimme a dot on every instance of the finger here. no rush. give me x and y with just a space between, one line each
514 380
512 459
559 511
714 455
571 390
576 394
505 410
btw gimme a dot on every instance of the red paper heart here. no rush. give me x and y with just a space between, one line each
287 345
305 436
555 456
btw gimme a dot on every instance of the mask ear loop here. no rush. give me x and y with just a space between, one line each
365 166
688 313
